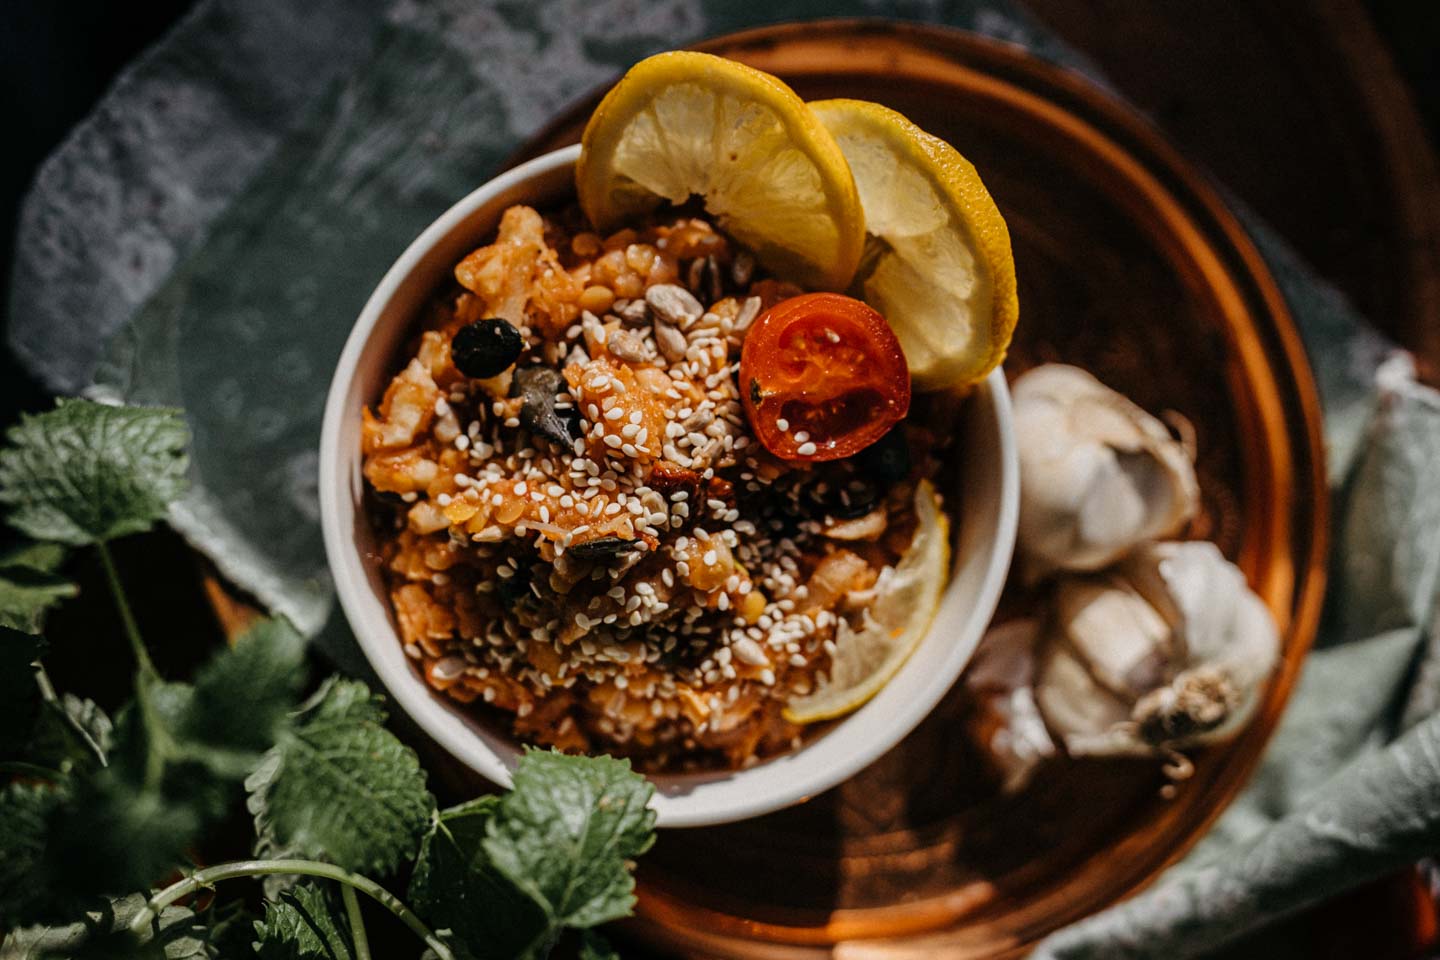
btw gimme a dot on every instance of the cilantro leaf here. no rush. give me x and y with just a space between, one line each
24 809
29 585
103 933
564 835
86 472
595 947
339 785
455 888
306 923
19 693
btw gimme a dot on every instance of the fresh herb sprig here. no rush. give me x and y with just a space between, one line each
92 810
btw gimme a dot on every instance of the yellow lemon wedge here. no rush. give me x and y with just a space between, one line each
937 259
685 124
907 596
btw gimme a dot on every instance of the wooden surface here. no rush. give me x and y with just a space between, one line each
1297 107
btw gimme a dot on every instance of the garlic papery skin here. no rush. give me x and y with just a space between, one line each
1003 719
1098 475
1168 649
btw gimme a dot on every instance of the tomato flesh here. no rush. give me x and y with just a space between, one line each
822 369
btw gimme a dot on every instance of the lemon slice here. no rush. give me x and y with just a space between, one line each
683 124
907 596
937 261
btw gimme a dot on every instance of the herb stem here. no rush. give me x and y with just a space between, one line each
305 868
132 630
357 922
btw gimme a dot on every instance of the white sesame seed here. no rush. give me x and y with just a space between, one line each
807 450
782 424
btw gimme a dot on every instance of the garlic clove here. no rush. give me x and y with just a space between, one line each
1087 717
1004 720
1124 641
1098 475
1169 649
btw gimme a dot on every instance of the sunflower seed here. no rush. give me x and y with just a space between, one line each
671 341
674 304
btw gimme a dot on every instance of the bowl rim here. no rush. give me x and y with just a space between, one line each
443 722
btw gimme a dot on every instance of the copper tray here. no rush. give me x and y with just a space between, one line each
1130 266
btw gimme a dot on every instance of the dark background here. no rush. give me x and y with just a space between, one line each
1322 115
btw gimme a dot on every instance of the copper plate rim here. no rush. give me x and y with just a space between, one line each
1135 149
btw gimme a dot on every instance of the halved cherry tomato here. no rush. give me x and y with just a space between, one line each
822 369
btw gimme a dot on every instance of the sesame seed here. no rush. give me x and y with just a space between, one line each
807 449
782 424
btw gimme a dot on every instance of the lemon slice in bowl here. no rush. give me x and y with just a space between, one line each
686 124
907 596
937 261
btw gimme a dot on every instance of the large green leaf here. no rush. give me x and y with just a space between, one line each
455 888
30 586
306 923
24 809
86 472
340 786
241 699
566 833
102 932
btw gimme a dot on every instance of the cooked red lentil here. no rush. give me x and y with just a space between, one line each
591 542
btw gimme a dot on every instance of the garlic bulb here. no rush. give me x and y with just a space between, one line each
1003 719
1168 649
1098 475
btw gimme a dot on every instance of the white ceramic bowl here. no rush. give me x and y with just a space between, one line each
985 538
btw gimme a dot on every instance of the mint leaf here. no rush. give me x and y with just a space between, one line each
103 933
236 708
116 834
595 947
242 698
566 831
71 732
29 585
86 472
455 888
338 785
306 923
128 825
19 693
24 809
